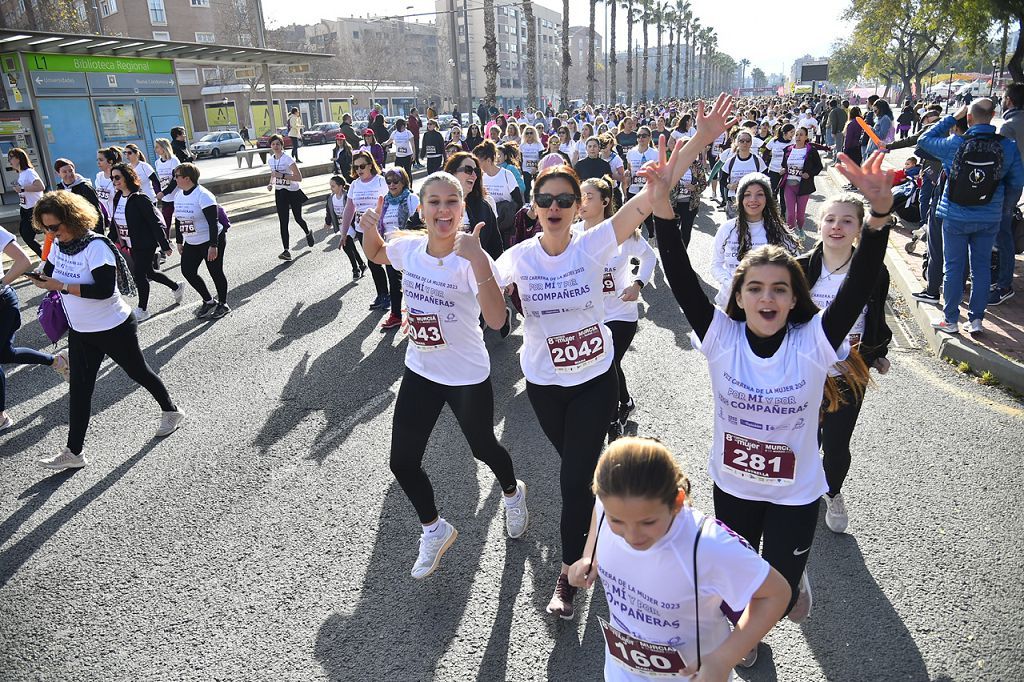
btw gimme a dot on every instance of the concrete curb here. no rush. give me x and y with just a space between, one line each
952 346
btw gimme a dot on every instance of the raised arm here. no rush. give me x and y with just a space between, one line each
853 294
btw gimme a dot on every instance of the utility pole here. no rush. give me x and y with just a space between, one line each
605 42
469 66
454 60
261 37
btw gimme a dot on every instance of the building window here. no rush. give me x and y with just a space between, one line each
157 13
187 76
80 10
211 75
200 3
205 37
107 7
355 35
161 35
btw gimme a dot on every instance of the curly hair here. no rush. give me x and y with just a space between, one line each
74 211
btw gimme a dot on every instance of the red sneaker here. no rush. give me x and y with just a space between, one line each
392 322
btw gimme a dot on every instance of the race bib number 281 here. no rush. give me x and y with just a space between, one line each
767 463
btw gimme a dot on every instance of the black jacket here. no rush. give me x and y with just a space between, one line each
478 210
145 229
343 163
180 150
82 188
587 168
812 166
432 144
874 343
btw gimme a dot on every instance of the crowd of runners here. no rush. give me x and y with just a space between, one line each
555 219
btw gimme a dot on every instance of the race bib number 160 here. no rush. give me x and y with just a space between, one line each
640 657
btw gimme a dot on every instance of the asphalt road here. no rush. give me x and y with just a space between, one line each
267 539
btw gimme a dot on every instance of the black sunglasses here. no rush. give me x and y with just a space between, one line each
52 227
360 166
116 177
643 135
545 200
468 170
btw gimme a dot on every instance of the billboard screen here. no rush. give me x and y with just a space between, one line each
814 72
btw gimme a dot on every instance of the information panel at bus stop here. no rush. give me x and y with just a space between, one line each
65 74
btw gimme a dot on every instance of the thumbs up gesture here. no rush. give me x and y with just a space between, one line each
467 244
371 218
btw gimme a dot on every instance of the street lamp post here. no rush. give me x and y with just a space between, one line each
949 90
992 85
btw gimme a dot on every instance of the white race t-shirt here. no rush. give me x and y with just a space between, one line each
282 165
565 341
765 445
165 171
120 222
88 314
795 164
402 142
104 187
824 292
725 254
739 168
500 185
651 593
636 159
26 177
188 211
390 217
144 170
338 205
363 195
778 150
716 146
442 314
5 239
531 151
618 274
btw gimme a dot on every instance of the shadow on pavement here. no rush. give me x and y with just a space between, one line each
305 319
37 494
12 558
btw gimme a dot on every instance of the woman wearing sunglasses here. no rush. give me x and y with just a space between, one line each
371 145
149 181
93 277
567 354
432 147
532 150
399 204
105 159
285 179
137 228
480 206
367 186
642 153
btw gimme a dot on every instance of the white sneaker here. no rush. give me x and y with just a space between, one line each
178 293
836 517
804 601
973 327
169 423
62 366
432 548
141 315
65 460
517 517
6 423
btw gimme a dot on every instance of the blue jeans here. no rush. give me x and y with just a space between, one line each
829 137
1004 242
963 240
927 189
10 322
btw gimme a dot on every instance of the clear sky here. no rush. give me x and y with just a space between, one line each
783 33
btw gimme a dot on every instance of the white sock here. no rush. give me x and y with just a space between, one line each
430 529
514 498
210 302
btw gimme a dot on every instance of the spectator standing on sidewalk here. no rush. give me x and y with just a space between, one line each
295 132
837 119
414 124
971 205
1012 129
179 145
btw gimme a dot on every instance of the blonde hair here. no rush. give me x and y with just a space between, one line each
640 467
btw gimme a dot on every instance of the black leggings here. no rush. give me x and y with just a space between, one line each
417 408
406 163
622 336
574 419
143 272
354 259
192 256
85 355
394 289
686 216
834 433
434 164
10 322
286 201
28 233
380 278
787 532
778 184
528 181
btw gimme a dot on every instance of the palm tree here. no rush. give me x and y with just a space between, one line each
490 54
744 63
692 30
683 17
670 19
566 57
710 42
590 53
628 5
531 54
613 60
647 14
658 15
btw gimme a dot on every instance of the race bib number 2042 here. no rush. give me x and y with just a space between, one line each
574 351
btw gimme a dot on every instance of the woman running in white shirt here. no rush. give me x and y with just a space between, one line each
285 178
367 186
450 282
646 539
104 186
620 288
29 187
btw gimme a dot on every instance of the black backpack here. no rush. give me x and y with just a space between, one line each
977 169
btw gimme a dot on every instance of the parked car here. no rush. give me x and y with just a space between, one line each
264 140
321 133
217 144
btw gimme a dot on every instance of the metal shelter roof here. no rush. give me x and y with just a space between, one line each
112 46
